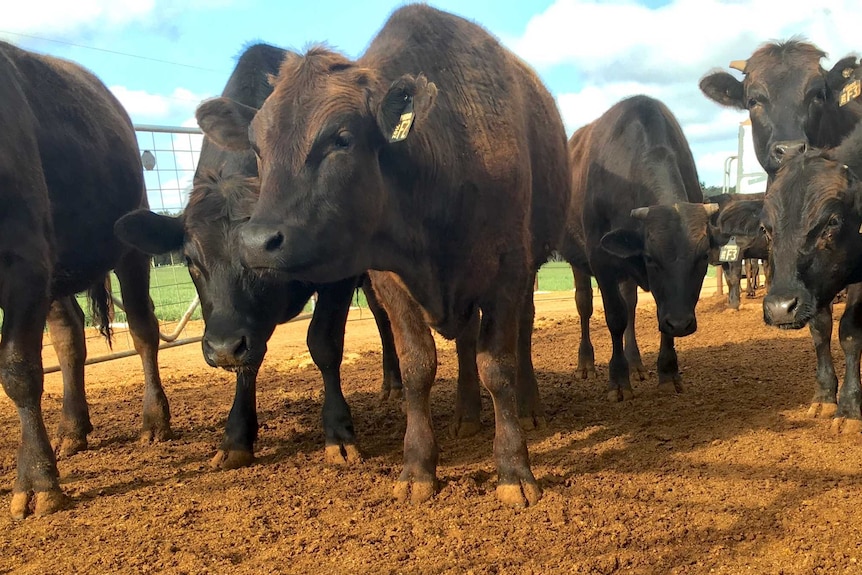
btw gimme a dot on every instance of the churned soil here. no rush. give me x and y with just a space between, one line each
729 476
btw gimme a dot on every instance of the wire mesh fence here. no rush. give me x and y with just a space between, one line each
169 156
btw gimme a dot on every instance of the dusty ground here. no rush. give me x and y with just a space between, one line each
728 477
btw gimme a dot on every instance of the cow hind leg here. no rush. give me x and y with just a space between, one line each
584 302
669 378
824 404
531 412
468 398
237 446
629 291
66 325
25 305
133 273
391 387
418 356
498 364
326 345
848 418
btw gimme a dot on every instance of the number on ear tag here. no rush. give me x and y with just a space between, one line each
729 252
851 91
404 124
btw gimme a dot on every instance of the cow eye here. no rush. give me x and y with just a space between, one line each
820 96
343 140
753 103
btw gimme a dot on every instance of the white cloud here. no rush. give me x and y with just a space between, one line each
618 48
146 107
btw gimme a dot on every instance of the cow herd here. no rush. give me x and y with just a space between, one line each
434 173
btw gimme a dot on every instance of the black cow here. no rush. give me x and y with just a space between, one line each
70 168
751 249
637 197
460 214
812 215
793 104
241 309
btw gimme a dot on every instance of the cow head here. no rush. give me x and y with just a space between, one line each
240 308
319 139
791 100
668 254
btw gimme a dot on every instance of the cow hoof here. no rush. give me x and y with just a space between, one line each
532 422
462 429
394 395
822 410
44 503
731 310
639 371
342 455
156 435
67 446
844 426
520 495
231 459
616 395
670 387
586 372
415 491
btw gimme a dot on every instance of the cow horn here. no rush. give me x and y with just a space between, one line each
640 213
739 65
710 209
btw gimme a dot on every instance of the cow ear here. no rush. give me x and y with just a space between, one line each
408 101
623 243
841 73
740 218
723 88
150 233
226 123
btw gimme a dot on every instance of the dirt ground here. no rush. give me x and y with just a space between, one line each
728 477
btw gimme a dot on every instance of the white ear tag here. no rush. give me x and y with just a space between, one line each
404 124
729 252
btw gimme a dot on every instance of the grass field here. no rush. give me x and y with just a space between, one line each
172 289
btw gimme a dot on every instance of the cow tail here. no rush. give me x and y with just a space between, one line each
100 308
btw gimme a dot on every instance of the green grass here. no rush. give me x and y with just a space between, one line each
172 290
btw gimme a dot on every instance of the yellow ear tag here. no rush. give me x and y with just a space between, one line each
404 124
851 91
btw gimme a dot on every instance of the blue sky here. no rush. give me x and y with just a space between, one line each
590 53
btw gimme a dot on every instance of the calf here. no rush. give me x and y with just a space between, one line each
637 204
793 103
241 309
812 215
439 159
70 165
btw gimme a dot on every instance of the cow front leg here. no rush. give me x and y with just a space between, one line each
326 345
237 445
669 378
733 278
848 418
497 360
418 356
824 404
468 398
584 302
133 273
25 306
66 325
629 291
391 387
616 316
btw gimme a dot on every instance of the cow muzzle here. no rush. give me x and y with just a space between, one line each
228 352
782 310
781 151
678 325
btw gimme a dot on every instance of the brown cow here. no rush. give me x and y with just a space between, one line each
69 150
460 214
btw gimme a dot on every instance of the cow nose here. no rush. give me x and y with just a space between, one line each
259 245
780 309
229 351
679 326
782 150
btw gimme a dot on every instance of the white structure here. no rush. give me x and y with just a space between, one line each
749 177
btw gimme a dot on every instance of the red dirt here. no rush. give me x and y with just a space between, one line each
728 477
